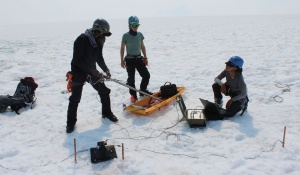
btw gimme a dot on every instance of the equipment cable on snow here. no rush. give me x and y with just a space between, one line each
284 88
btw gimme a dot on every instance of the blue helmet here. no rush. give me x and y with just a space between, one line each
133 20
237 61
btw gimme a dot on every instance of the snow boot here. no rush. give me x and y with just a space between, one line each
111 117
70 129
133 98
219 102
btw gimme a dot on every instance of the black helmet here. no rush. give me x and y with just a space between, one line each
102 26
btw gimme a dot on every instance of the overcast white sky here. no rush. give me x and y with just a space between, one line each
36 11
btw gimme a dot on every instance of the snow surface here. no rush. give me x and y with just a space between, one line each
187 51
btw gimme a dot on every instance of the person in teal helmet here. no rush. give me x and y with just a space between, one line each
235 87
134 60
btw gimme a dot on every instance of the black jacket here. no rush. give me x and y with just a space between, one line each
85 56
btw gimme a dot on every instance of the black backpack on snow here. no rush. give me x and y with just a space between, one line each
23 96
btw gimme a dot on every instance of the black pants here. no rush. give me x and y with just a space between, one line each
78 81
217 91
133 64
234 108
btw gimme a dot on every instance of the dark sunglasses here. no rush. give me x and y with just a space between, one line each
229 64
135 26
97 33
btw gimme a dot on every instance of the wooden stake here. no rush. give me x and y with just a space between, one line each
123 151
75 150
283 140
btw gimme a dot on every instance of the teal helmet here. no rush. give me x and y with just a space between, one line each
236 61
133 20
102 26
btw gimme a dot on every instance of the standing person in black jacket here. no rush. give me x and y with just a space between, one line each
87 52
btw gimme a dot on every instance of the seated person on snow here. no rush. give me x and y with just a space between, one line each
235 87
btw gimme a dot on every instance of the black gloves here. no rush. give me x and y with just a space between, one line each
96 73
108 75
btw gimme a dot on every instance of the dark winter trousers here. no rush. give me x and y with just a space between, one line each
78 81
133 64
234 108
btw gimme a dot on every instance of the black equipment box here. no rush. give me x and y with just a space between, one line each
168 90
194 117
103 152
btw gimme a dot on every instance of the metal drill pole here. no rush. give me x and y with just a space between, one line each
123 84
